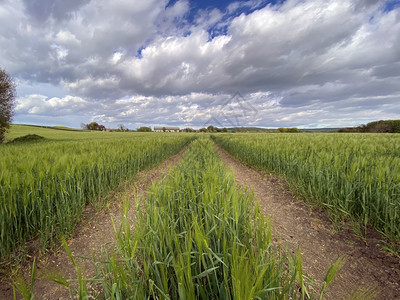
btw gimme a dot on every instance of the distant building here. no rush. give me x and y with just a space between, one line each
166 129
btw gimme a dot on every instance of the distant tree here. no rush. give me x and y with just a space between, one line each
224 129
144 129
7 102
164 129
290 130
211 128
203 129
94 126
122 128
188 130
382 126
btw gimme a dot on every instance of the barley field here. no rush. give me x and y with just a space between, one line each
45 184
199 237
355 176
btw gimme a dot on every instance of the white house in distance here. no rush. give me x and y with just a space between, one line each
166 129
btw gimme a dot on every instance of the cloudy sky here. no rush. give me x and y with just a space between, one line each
190 63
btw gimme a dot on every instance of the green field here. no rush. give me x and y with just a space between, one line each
45 185
199 237
353 175
58 133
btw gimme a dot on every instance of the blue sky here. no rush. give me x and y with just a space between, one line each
391 5
221 5
303 63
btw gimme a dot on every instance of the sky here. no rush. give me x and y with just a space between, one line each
293 63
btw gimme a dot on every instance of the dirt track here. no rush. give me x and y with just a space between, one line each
298 225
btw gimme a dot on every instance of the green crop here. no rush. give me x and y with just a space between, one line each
354 175
45 185
199 237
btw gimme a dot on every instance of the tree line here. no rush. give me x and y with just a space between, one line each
382 126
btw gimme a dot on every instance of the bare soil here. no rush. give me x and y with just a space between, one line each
92 233
298 225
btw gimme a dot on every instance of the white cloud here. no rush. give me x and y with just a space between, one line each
116 57
66 38
299 62
42 105
59 52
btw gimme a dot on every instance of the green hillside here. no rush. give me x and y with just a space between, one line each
55 133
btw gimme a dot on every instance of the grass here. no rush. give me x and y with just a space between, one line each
53 133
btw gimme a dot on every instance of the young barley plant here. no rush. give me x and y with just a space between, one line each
199 237
353 175
45 186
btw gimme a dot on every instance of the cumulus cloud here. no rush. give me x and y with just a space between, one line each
41 105
299 63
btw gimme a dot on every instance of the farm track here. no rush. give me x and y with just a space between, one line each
297 225
93 232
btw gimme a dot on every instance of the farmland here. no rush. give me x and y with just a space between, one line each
197 234
45 185
198 237
354 176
